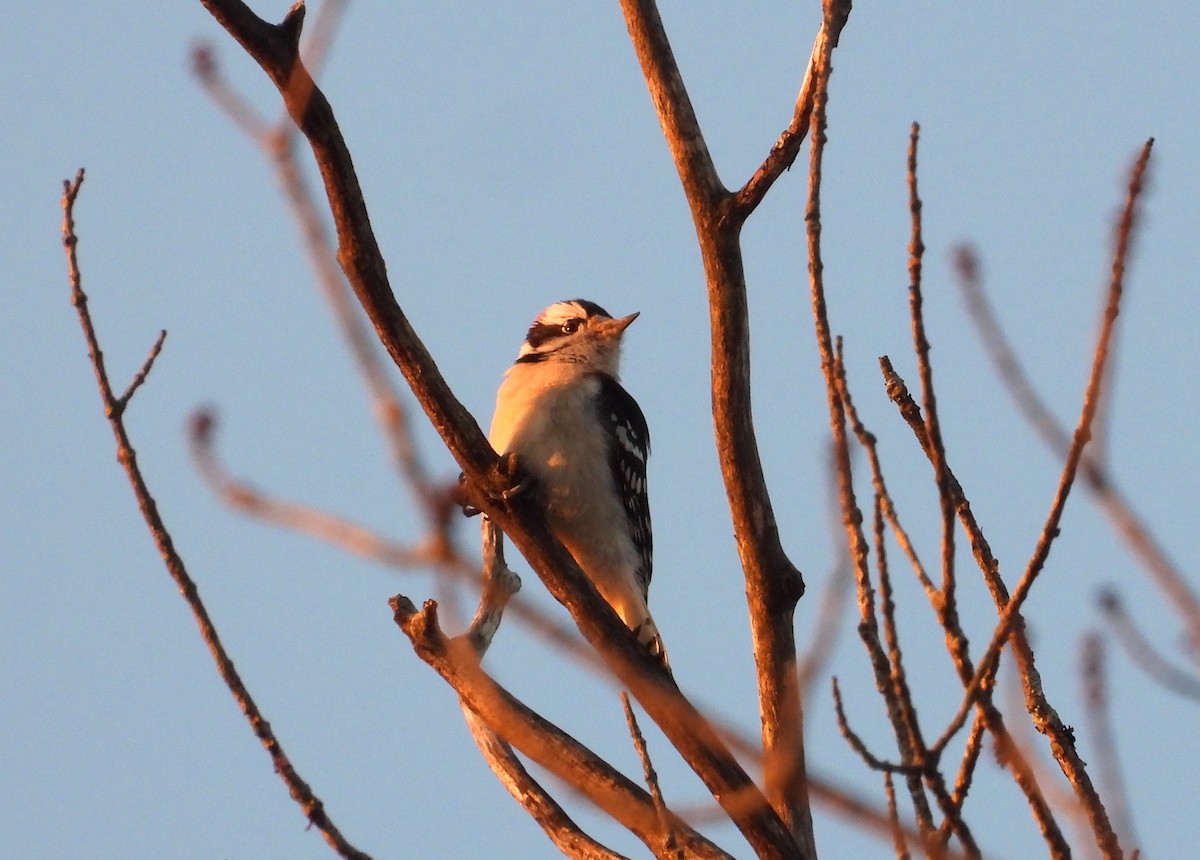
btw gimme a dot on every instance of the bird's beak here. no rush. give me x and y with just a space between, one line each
613 328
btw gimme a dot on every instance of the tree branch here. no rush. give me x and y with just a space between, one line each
551 748
1095 474
114 407
274 48
773 584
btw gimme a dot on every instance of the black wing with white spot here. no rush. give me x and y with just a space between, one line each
628 453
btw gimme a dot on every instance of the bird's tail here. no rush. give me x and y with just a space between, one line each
648 635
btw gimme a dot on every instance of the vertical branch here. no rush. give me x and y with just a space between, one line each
887 665
898 844
947 600
1095 695
773 584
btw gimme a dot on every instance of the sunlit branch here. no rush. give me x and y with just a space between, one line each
114 408
1093 471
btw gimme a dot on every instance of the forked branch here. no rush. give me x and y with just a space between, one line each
114 408
275 49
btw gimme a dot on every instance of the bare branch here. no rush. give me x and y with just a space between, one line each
362 541
898 843
1095 474
856 743
783 153
833 603
499 585
566 835
773 584
1093 670
312 806
1045 718
140 377
990 567
1155 665
947 605
278 142
275 50
669 846
535 737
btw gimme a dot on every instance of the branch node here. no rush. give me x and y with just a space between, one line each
293 24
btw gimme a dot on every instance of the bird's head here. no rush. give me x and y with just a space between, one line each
576 332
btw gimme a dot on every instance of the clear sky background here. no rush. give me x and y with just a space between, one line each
510 157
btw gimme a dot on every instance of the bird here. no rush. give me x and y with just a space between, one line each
584 441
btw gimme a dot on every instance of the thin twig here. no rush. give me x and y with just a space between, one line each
1047 721
140 377
947 605
670 845
889 679
833 603
1093 671
902 715
1138 647
787 147
312 806
869 444
859 746
898 843
990 566
1095 474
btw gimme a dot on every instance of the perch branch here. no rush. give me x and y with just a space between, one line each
275 49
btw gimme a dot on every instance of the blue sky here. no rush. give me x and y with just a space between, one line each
510 157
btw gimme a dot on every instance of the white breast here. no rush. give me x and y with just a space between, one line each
544 415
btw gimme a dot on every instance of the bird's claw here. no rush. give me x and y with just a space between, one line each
509 481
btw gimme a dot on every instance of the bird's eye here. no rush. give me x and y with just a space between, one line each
572 325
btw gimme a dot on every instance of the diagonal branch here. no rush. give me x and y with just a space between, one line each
783 154
558 826
275 49
547 745
1045 718
1095 474
114 408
